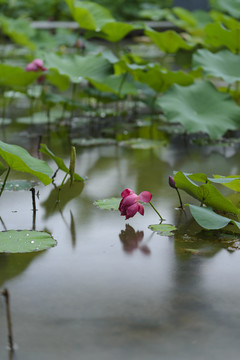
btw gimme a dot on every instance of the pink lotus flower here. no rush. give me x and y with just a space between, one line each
130 204
36 65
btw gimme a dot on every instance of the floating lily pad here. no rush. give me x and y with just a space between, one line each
163 229
16 185
108 204
93 142
142 144
23 241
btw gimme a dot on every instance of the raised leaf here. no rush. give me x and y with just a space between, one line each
201 108
25 241
208 219
206 193
19 159
59 161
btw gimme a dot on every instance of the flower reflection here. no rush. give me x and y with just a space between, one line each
133 240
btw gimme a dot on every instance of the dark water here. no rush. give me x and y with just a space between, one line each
96 296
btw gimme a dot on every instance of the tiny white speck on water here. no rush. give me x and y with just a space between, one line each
32 242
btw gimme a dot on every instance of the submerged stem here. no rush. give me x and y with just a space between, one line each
6 295
4 182
161 218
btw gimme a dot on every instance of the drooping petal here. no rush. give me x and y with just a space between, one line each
140 209
127 192
122 208
145 196
132 210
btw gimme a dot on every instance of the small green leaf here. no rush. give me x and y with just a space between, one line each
108 204
163 229
19 159
208 219
23 241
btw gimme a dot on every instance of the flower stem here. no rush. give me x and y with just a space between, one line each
156 211
181 204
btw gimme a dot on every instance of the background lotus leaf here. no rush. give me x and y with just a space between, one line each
168 41
230 6
78 67
223 64
201 108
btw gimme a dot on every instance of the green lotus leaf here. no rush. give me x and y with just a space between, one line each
201 108
15 77
116 84
78 67
223 65
18 30
191 21
232 7
25 241
168 41
115 31
89 15
218 36
159 78
19 159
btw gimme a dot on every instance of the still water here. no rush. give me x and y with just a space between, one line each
100 296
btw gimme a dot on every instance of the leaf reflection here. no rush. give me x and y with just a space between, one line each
133 240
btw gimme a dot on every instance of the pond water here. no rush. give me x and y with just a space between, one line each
104 294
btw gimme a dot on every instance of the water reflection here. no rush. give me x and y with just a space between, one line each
133 240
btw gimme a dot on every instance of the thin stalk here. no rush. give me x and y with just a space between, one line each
180 200
60 187
161 218
4 182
